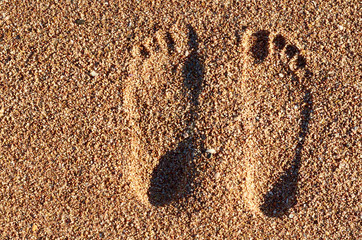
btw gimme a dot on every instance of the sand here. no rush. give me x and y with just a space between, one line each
165 120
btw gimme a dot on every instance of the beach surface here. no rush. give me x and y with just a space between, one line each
173 120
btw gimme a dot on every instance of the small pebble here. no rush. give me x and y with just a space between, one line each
340 27
34 228
281 75
93 74
217 175
212 151
291 215
79 21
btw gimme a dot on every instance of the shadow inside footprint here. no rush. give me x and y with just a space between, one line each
283 194
170 179
173 176
260 48
193 71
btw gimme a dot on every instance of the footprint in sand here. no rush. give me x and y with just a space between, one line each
277 109
161 101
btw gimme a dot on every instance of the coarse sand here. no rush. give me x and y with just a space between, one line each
174 120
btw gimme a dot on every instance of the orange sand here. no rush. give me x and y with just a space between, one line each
165 120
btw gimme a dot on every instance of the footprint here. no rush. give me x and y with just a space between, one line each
161 101
276 114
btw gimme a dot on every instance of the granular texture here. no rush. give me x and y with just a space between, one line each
166 119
